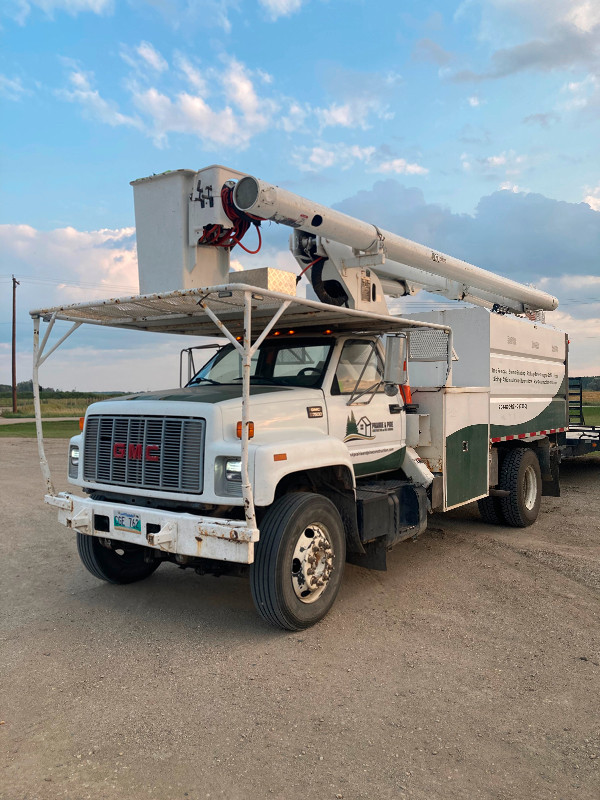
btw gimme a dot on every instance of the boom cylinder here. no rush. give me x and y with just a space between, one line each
272 203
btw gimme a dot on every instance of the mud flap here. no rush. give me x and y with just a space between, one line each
549 458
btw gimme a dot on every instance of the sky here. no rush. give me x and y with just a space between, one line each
472 127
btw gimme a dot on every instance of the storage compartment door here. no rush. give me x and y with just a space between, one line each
467 436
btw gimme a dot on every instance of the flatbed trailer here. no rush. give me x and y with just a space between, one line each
579 439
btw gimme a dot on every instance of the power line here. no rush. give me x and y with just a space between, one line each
73 284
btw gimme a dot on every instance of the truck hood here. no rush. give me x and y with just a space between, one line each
206 393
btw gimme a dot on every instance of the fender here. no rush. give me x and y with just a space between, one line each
274 460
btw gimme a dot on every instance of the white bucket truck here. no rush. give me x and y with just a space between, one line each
298 446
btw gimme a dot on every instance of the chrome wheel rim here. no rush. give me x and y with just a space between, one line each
312 563
529 488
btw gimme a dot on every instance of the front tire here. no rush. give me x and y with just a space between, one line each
299 561
121 563
521 476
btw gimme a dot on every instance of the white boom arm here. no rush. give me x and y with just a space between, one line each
415 262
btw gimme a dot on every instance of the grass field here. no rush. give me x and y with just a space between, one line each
52 430
591 398
51 406
591 415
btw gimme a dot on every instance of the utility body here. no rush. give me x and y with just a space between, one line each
321 430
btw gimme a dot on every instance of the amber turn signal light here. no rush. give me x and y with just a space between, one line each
250 430
81 421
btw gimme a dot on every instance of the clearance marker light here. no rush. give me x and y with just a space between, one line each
291 331
280 457
81 420
250 430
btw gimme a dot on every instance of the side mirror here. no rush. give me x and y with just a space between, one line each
395 372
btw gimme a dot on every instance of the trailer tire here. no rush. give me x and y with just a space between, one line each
124 563
299 561
490 510
521 476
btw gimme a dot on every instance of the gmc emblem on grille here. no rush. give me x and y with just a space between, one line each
134 452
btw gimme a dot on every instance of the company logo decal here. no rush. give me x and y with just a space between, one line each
135 451
364 429
358 430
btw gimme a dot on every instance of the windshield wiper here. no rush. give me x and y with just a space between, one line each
196 381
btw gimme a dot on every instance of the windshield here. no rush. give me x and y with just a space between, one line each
280 362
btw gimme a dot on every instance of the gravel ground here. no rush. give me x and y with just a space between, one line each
470 669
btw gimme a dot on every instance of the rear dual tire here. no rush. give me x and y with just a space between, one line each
521 477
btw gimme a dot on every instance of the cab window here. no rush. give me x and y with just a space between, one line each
359 370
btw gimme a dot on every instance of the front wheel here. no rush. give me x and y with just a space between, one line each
120 563
521 476
299 561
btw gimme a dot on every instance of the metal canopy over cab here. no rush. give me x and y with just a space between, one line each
197 311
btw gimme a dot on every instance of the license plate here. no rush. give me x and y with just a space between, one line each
124 521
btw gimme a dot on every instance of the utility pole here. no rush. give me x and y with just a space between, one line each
15 283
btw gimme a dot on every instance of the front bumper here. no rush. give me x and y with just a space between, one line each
183 534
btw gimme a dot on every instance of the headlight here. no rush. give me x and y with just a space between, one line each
73 460
233 470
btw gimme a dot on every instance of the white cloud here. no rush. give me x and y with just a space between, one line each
12 88
348 115
355 113
142 57
592 198
151 57
509 186
20 9
191 73
474 101
584 337
535 35
585 15
294 119
242 114
400 167
281 8
90 263
190 113
505 21
358 97
239 87
581 94
507 162
226 106
323 156
82 92
66 265
342 155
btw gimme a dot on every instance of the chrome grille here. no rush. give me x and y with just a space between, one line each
164 453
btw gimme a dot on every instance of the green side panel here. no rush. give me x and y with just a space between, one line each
553 416
466 470
385 464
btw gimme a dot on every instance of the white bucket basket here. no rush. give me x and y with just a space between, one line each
171 210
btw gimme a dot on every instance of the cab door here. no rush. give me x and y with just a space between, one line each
367 420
